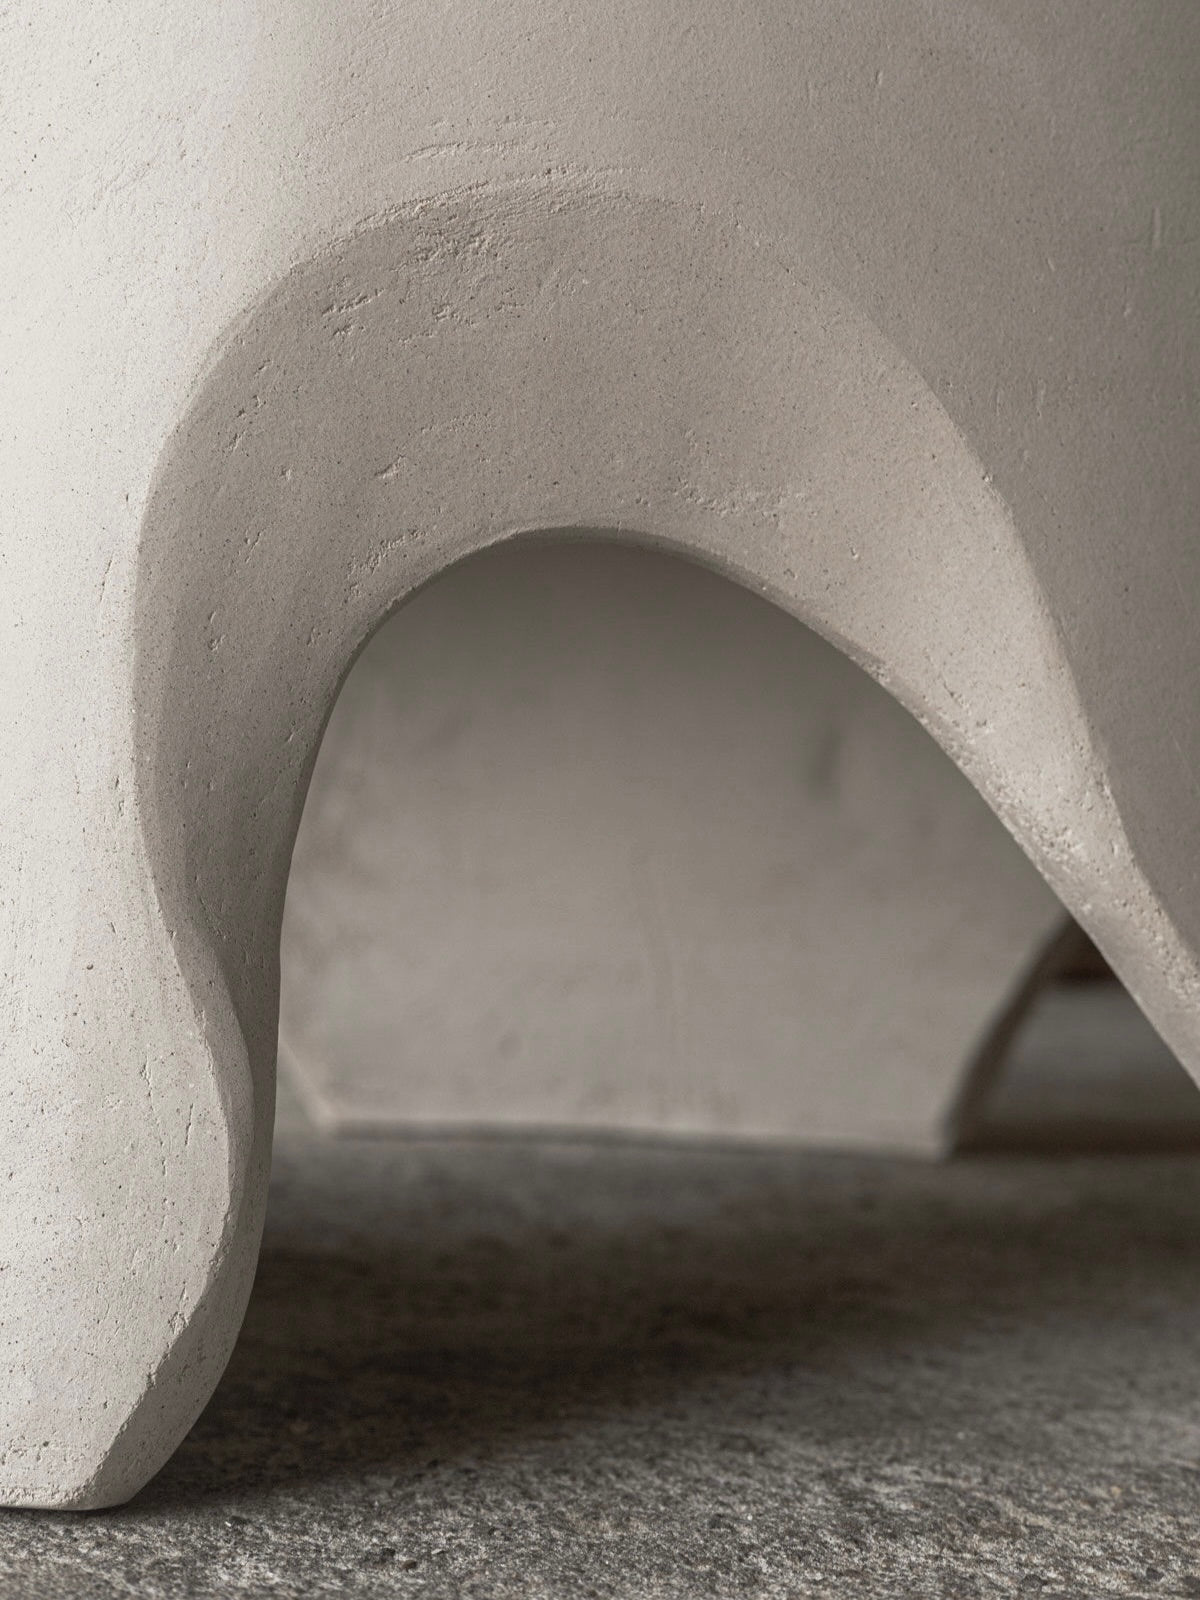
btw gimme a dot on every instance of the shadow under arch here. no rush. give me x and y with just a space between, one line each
434 1323
499 362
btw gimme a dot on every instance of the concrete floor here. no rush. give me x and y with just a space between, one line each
529 1369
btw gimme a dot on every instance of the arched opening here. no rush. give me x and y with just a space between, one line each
457 1349
348 443
599 841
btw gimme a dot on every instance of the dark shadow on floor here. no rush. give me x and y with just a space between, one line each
436 1308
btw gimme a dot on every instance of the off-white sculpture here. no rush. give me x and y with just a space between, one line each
887 312
598 840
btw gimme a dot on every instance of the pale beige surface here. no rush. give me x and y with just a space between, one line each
888 313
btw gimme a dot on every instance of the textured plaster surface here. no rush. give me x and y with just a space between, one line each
526 1370
887 312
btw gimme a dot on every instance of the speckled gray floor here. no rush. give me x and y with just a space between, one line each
522 1369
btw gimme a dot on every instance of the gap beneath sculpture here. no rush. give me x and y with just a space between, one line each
599 840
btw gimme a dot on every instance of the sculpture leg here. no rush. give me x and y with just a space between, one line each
135 1172
491 363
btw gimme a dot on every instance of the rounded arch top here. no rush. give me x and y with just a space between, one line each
508 359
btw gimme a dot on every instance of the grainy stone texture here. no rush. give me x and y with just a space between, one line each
524 1369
